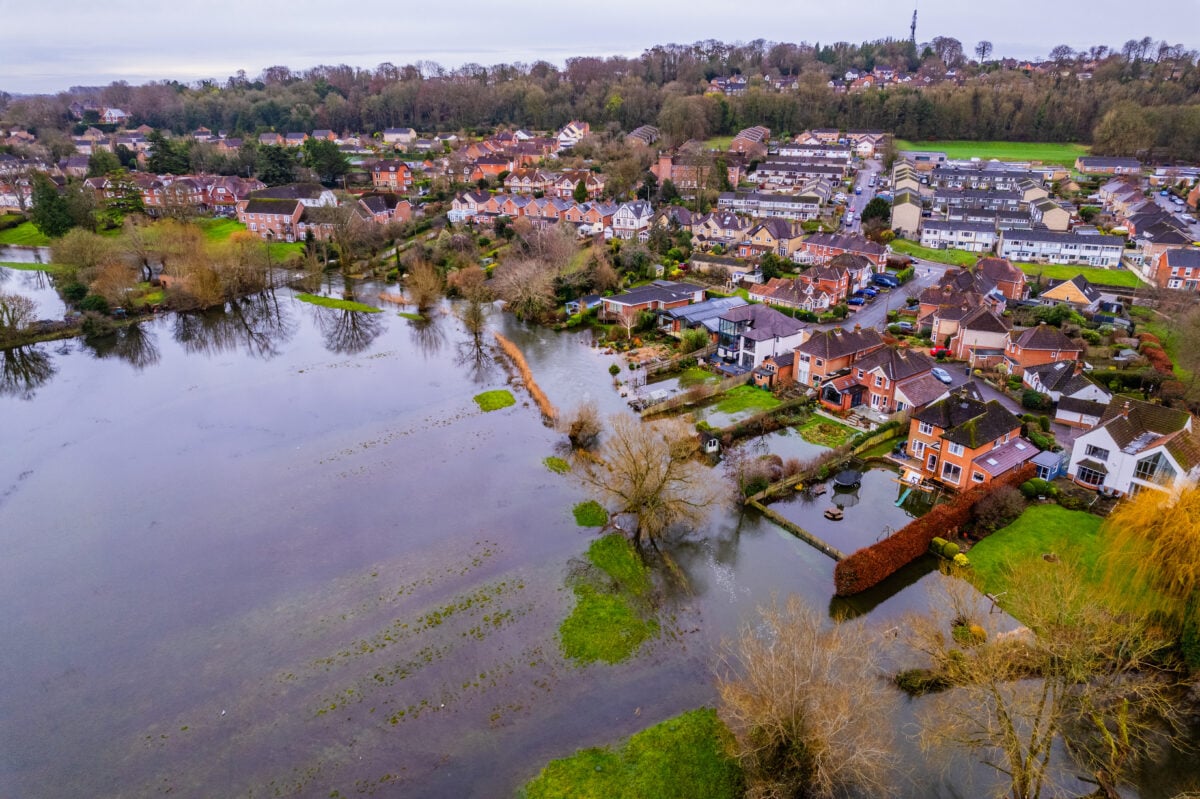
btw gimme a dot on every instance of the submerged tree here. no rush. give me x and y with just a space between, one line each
647 471
804 699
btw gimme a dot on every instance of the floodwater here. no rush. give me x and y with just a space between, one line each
30 283
277 550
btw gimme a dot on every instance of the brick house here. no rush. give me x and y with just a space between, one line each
820 248
792 293
963 442
1006 278
391 176
1038 345
980 338
829 351
271 219
774 236
384 207
887 380
660 295
1179 269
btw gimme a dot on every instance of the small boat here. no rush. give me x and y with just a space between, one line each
834 514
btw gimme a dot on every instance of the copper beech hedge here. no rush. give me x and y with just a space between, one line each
872 565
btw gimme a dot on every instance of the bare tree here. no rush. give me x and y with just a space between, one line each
16 312
424 285
647 470
583 427
804 699
526 286
983 50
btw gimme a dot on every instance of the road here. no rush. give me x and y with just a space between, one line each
874 313
1180 214
857 202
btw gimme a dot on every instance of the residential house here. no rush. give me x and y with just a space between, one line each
842 152
275 219
906 214
1079 402
528 181
1103 165
324 134
1137 446
1179 269
1038 345
690 167
1050 214
312 195
660 295
980 337
795 293
564 185
1076 292
738 269
776 236
969 236
887 380
295 139
963 442
114 116
990 199
821 248
572 133
705 315
1062 248
401 137
905 178
805 204
775 370
644 136
750 333
1031 190
384 207
391 176
1007 279
270 139
721 227
632 218
751 141
827 352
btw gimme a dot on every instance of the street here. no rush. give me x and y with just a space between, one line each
874 313
857 202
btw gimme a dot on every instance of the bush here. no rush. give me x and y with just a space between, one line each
693 339
1034 400
96 325
94 303
917 682
74 292
949 550
998 508
872 565
1090 336
1037 487
961 561
1044 423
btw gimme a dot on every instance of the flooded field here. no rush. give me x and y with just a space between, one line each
278 550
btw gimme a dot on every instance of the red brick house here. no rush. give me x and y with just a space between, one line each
887 380
272 219
830 351
821 248
1038 345
963 442
391 176
1008 279
660 295
1179 269
385 207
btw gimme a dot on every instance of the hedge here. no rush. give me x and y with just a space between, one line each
872 565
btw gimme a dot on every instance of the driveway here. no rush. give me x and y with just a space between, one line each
874 313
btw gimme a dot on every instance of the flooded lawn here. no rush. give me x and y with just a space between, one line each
35 285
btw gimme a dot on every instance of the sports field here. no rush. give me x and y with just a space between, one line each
1046 152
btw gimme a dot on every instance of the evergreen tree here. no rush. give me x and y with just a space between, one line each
276 165
323 157
51 213
581 193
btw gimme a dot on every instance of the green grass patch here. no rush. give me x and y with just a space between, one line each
746 398
952 257
1121 278
695 376
1150 322
684 757
222 229
611 619
590 514
718 143
28 267
880 450
341 305
495 400
1046 152
414 317
827 433
25 234
1042 529
556 465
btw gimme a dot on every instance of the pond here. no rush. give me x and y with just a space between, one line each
277 549
37 286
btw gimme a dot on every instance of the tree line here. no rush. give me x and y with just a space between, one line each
1140 99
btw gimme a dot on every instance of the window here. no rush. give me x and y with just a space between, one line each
925 429
820 362
951 473
955 449
1098 453
977 477
878 380
1088 476
931 462
918 448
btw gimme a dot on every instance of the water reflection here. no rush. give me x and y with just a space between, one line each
428 335
135 344
257 324
23 370
347 332
473 356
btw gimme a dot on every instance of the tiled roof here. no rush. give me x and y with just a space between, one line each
1128 420
765 322
921 390
268 205
985 320
1044 337
833 344
895 363
1184 258
969 421
1005 457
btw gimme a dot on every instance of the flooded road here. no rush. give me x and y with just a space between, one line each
277 550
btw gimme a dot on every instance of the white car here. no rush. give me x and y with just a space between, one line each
941 374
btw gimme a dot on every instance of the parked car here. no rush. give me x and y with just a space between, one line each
941 374
856 301
907 327
936 351
870 292
881 279
1164 193
858 189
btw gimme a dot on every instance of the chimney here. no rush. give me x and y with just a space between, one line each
857 327
1125 410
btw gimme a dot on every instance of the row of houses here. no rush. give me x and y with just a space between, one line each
291 212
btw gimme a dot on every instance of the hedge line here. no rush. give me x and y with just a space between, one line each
872 565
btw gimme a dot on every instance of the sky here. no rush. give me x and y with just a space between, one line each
48 46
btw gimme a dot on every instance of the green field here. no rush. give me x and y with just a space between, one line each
25 266
684 757
1041 529
1046 152
1121 278
222 229
953 257
718 143
341 305
25 235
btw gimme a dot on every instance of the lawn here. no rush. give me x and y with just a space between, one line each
590 514
24 235
25 266
341 305
222 229
1041 529
1121 278
827 433
718 143
684 757
953 257
495 400
1046 152
611 619
695 376
746 398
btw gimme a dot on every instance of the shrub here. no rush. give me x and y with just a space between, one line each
1044 423
1038 487
614 369
74 292
935 546
961 561
998 508
590 514
95 303
693 339
917 682
96 325
1034 400
949 550
874 564
1090 336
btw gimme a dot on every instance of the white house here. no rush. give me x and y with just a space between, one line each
631 218
572 133
1137 446
750 333
1080 402
970 236
1048 246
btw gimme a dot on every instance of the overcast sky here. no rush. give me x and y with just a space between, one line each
47 46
